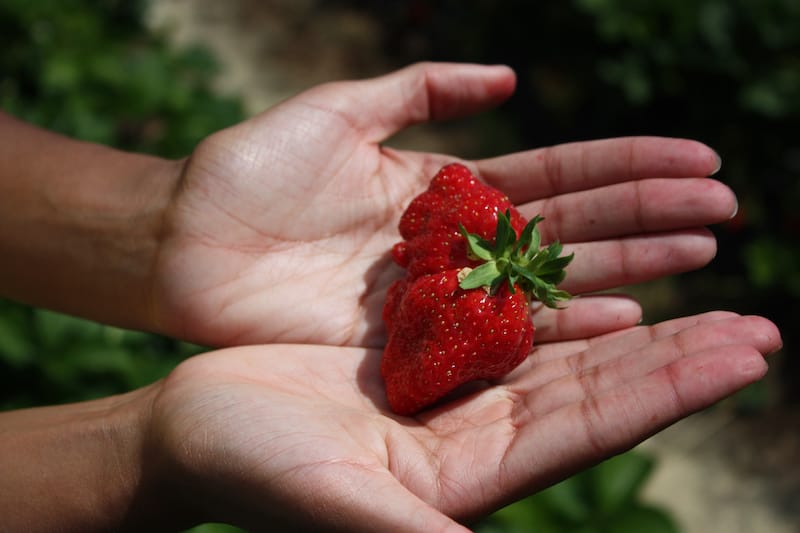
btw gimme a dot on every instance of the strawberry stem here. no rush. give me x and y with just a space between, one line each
518 261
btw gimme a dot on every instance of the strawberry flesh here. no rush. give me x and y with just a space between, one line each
430 225
444 336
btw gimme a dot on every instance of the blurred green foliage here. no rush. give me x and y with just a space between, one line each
724 72
48 358
90 69
603 499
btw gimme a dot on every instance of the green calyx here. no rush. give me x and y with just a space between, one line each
518 262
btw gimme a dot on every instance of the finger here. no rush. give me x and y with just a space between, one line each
586 317
380 107
633 207
545 172
591 374
608 264
582 433
550 362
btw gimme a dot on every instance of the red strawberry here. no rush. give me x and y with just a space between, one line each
444 336
449 324
430 225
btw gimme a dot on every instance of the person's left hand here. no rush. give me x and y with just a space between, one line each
280 228
296 438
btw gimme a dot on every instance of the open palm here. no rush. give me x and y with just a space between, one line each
296 437
281 226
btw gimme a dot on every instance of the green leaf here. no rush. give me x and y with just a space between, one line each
569 500
555 264
536 261
528 235
479 247
87 359
555 296
483 276
16 346
517 261
58 329
536 241
555 248
616 481
505 233
554 278
525 273
524 516
640 518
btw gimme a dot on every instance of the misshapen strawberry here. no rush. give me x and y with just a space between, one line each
430 225
470 319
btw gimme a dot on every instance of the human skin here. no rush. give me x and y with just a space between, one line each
300 437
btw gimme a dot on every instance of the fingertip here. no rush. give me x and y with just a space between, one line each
729 201
626 310
750 365
717 162
505 79
707 160
676 157
713 374
701 248
735 210
421 92
460 89
768 336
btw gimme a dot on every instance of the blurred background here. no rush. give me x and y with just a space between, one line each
159 77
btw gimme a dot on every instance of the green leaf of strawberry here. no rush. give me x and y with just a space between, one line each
478 247
520 262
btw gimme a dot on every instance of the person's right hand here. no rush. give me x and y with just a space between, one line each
280 227
298 437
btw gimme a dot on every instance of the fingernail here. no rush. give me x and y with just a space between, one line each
719 163
735 209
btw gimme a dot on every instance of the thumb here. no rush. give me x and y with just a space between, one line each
380 107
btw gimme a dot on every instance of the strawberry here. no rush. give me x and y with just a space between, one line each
462 313
430 225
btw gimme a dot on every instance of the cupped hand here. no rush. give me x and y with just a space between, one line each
280 228
299 437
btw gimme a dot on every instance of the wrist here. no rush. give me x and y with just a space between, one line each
154 499
80 224
78 467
